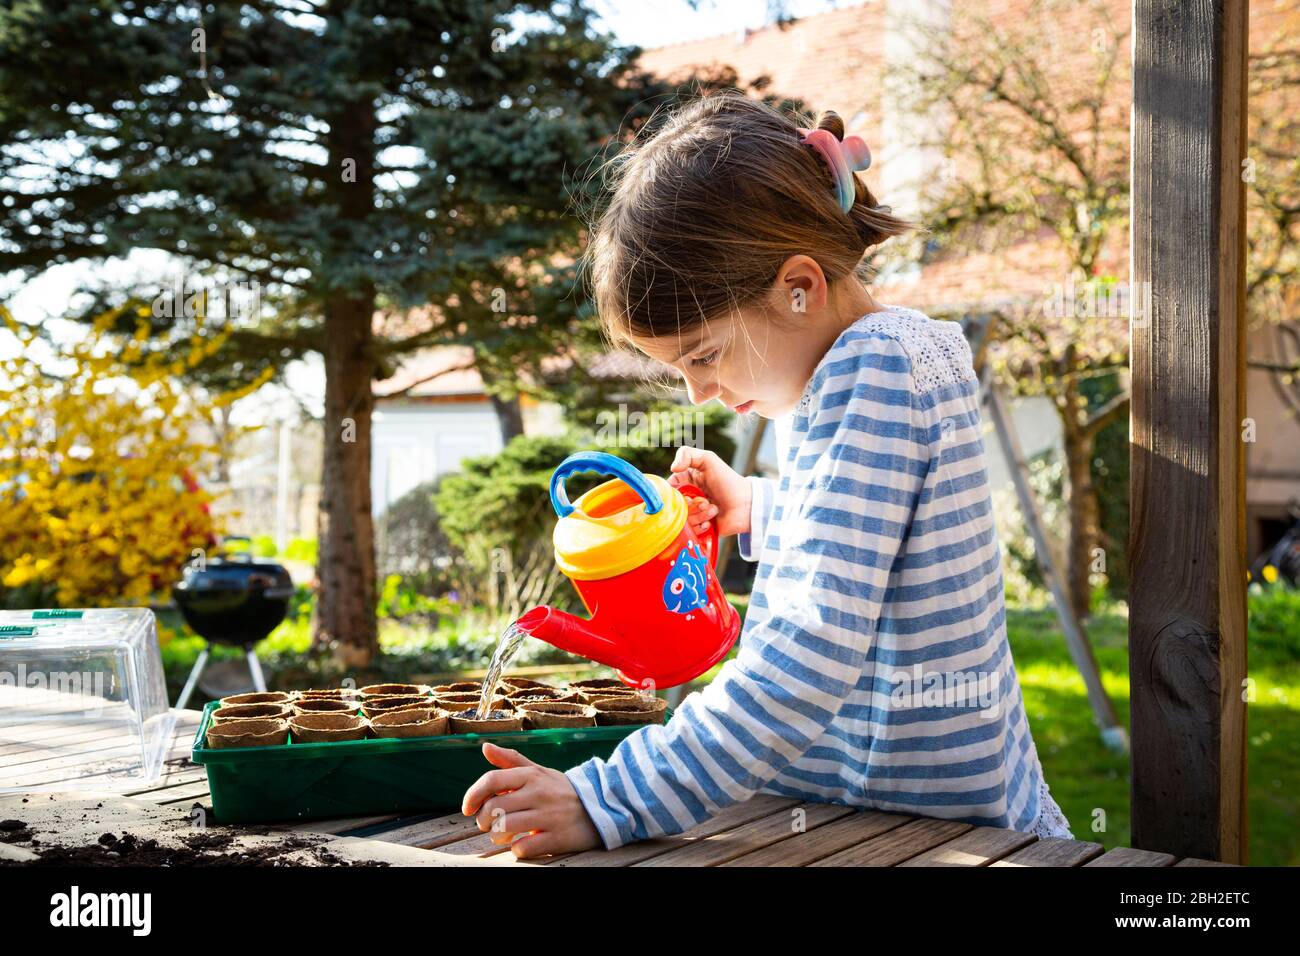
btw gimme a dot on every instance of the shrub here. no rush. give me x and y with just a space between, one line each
1023 577
97 473
497 514
398 600
411 546
1274 623
1110 476
301 549
649 439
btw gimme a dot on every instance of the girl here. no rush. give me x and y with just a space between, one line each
873 669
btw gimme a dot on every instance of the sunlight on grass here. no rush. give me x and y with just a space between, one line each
1091 783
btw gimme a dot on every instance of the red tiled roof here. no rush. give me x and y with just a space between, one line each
438 371
442 372
828 59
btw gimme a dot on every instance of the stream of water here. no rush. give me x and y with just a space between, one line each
511 640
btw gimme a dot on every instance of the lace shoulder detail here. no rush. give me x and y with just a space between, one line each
938 350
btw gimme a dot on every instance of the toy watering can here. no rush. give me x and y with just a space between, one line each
658 614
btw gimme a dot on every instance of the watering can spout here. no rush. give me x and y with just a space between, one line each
570 633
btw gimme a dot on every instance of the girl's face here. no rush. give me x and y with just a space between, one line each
760 359
747 361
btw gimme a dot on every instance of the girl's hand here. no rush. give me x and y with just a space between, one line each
728 492
525 798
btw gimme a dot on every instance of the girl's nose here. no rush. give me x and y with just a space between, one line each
701 392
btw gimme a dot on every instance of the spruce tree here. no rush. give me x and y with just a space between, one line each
353 159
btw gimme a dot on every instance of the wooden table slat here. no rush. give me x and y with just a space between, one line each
183 738
439 832
51 766
823 840
480 844
69 739
1128 856
735 815
978 847
1053 851
189 793
767 831
340 825
66 732
47 765
427 834
899 844
173 777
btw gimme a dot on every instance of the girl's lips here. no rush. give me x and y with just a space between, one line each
741 409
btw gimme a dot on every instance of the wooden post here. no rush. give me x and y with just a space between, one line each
1187 614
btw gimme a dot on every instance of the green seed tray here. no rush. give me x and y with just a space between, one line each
350 778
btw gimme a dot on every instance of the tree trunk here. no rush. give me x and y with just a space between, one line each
510 416
345 609
223 445
1084 517
346 602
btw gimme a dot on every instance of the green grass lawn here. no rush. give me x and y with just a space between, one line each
1091 783
1088 780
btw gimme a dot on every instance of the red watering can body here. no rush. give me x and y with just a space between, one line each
658 613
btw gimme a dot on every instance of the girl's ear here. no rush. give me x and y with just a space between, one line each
801 286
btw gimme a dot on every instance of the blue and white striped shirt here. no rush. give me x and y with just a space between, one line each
873 668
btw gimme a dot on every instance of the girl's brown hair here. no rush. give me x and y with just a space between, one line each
702 214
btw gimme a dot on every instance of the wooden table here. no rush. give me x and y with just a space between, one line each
760 832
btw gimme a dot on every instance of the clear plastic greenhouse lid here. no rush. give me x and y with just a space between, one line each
83 701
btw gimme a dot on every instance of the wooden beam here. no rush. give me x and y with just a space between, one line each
1187 614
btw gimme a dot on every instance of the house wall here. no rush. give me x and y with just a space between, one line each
1273 457
416 441
541 418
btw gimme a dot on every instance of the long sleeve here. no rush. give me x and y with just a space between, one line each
763 495
841 516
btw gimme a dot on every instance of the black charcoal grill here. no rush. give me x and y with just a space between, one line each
233 600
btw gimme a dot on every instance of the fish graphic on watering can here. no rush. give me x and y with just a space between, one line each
658 613
687 586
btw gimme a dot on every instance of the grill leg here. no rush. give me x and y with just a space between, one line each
255 668
192 681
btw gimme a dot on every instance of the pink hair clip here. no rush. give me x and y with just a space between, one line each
843 157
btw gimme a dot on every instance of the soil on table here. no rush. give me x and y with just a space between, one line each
199 849
64 833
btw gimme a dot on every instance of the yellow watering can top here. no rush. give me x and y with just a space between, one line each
612 529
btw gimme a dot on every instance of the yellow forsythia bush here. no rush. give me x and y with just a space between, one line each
99 465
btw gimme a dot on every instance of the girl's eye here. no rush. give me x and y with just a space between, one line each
707 359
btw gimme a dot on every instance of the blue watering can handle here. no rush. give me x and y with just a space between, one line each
602 464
